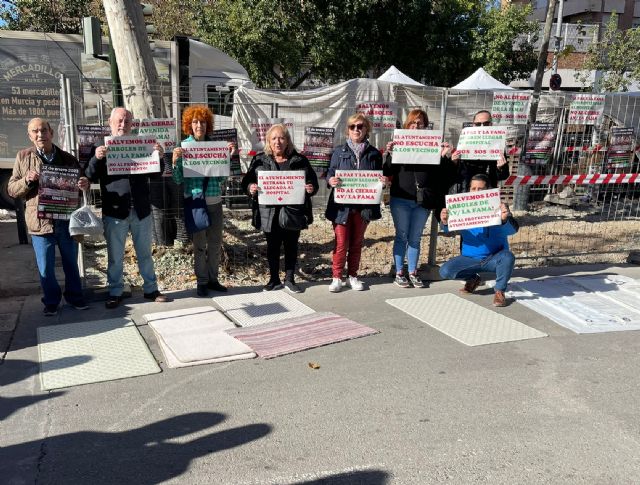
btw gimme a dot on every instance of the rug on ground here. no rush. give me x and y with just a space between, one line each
196 336
95 351
249 309
299 333
463 320
583 304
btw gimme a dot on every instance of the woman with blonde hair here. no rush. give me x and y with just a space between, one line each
350 220
197 123
281 223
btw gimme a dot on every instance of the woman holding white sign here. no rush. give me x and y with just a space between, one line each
350 220
416 190
281 222
197 123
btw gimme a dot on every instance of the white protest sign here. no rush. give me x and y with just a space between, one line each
205 159
586 109
482 142
473 209
510 108
382 114
162 129
281 187
131 155
417 147
358 187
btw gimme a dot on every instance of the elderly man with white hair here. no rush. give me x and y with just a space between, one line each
125 208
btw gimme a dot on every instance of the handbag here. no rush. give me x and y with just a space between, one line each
292 218
196 215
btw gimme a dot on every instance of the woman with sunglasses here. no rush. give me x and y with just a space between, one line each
415 191
350 220
498 170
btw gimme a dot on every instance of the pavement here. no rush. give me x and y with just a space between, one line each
407 406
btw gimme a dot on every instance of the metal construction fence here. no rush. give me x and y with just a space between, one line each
580 205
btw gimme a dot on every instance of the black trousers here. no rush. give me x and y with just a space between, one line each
275 239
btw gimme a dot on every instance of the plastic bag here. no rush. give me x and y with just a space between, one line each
83 221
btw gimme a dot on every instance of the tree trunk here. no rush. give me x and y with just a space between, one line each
138 75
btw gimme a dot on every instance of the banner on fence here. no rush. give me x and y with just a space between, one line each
58 191
318 146
540 143
281 187
383 114
621 145
260 127
417 147
473 209
131 155
162 129
510 108
88 136
586 109
230 135
482 142
205 159
358 187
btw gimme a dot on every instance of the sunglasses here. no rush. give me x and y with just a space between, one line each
359 126
482 123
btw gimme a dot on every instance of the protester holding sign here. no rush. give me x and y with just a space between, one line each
495 170
416 189
281 223
350 220
484 249
197 122
47 233
126 208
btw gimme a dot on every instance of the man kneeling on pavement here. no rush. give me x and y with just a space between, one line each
484 249
45 233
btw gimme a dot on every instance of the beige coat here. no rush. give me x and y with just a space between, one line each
18 187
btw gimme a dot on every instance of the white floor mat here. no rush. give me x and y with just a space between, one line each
197 337
463 320
250 309
186 313
583 304
97 351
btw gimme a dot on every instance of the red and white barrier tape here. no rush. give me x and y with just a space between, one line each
596 178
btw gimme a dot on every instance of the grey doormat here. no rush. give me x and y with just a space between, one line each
463 320
97 351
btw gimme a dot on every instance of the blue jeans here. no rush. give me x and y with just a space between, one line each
465 268
45 249
409 219
115 232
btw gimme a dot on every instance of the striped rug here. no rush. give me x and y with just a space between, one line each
299 333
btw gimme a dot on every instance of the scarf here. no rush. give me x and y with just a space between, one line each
358 149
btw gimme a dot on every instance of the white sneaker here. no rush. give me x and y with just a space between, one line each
355 283
336 285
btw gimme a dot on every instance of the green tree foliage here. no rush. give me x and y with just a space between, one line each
499 30
61 16
617 56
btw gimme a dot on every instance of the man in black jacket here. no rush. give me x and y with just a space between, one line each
125 208
498 170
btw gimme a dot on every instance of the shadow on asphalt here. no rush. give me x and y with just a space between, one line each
147 455
364 477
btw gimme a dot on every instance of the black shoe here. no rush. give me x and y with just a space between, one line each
157 297
216 286
112 302
80 305
202 291
50 310
292 287
272 285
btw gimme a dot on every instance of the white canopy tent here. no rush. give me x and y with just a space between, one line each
395 75
481 80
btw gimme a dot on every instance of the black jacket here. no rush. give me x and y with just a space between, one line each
343 158
469 168
116 201
267 213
